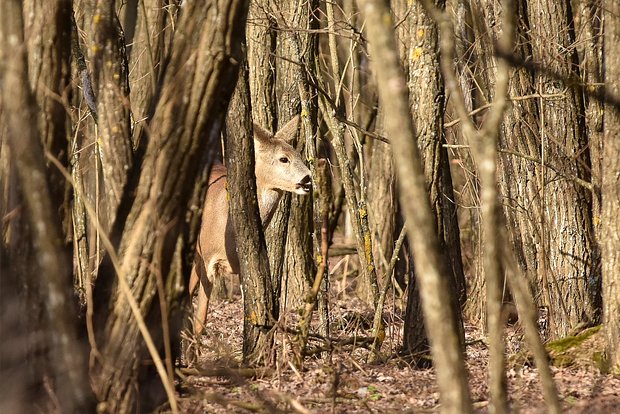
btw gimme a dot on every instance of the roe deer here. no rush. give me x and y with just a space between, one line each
278 168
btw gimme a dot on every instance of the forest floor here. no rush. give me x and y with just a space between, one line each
345 382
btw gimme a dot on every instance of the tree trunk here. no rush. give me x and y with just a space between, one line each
422 230
426 97
49 73
299 267
49 259
465 176
611 182
111 85
196 96
259 297
261 55
153 25
566 278
520 202
101 152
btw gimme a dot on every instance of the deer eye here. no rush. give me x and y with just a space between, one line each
284 160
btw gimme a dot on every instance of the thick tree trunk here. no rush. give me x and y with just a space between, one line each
566 280
49 261
611 184
426 97
199 80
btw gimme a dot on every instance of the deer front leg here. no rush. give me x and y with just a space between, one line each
193 281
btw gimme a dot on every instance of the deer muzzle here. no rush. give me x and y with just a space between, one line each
305 185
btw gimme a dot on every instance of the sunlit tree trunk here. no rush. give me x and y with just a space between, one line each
566 279
611 183
422 230
294 217
152 27
520 197
426 97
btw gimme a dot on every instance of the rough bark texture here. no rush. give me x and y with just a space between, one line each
50 259
259 297
588 40
48 33
611 184
382 202
261 48
199 80
426 97
300 266
422 230
292 263
262 57
277 232
111 85
152 26
566 277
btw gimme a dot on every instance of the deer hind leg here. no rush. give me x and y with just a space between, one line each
204 293
194 281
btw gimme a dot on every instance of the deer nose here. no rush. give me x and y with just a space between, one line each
305 184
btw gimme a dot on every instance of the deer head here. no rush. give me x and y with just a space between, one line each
279 166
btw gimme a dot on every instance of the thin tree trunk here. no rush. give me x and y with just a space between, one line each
422 230
468 53
49 73
152 26
111 85
261 54
259 297
295 42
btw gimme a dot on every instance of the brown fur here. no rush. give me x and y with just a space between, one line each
216 252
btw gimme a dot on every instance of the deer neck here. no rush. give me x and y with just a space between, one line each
268 199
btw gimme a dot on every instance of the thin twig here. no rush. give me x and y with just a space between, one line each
378 330
514 99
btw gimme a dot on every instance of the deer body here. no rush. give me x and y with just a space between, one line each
279 167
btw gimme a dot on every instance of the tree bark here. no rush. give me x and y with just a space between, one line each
152 27
261 55
50 259
197 85
49 73
422 230
288 235
111 85
259 298
297 42
611 182
426 97
566 279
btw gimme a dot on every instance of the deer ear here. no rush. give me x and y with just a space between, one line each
261 134
289 131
